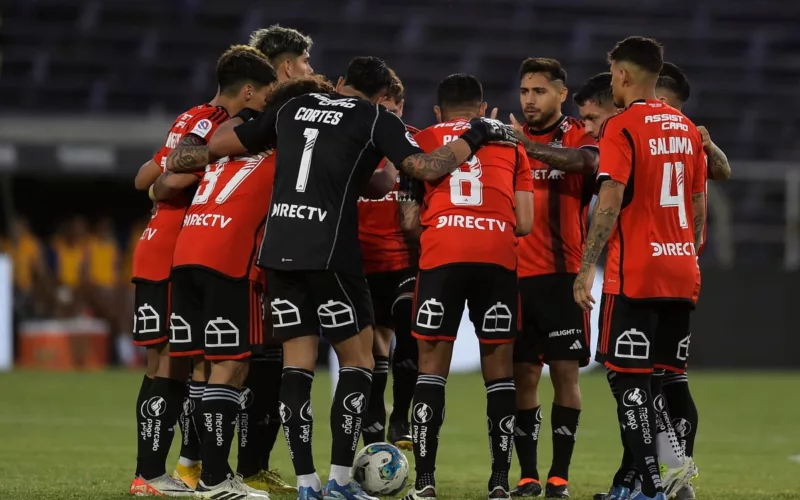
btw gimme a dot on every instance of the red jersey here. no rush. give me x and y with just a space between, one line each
152 259
560 206
382 242
658 154
224 225
468 215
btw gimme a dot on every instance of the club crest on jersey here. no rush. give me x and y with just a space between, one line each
556 143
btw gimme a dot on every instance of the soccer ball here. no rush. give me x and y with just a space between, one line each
381 469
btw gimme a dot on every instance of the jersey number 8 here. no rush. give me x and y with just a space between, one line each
465 185
674 200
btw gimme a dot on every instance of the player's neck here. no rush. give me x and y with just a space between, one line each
231 104
466 116
347 90
640 93
547 126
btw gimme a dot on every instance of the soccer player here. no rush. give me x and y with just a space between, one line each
650 210
328 148
554 329
595 103
390 263
242 74
288 53
469 253
674 89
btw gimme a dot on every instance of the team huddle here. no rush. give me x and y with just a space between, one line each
289 208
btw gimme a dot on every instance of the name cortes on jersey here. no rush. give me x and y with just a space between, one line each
152 259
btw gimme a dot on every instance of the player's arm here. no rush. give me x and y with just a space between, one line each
719 169
147 175
381 182
392 138
170 184
582 160
523 196
190 155
699 217
410 196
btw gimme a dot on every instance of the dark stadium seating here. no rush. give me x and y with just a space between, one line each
157 56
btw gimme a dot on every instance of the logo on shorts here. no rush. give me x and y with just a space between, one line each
430 314
335 314
246 398
634 397
507 424
221 332
423 413
539 415
284 412
284 313
659 403
180 331
683 348
497 319
146 320
682 427
305 412
632 344
354 403
156 406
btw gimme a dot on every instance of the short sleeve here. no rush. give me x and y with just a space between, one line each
524 177
392 139
160 158
616 159
203 125
427 140
259 134
701 168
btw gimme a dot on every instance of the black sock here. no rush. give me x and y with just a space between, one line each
141 421
350 403
501 407
160 413
190 430
273 367
220 409
526 441
564 422
252 414
297 417
682 410
638 419
374 429
404 361
426 422
626 473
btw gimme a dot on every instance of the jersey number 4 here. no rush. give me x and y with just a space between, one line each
674 200
211 177
465 185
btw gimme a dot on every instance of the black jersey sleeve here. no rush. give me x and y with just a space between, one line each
261 133
391 138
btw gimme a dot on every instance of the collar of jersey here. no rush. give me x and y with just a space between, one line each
547 130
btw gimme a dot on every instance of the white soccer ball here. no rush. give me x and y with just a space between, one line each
381 469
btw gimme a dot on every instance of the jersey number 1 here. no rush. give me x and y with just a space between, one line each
305 161
674 200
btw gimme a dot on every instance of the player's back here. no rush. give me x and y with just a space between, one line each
468 216
152 259
223 226
657 152
325 158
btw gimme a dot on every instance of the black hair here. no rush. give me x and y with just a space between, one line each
368 75
242 64
277 40
550 68
646 53
459 89
674 79
597 89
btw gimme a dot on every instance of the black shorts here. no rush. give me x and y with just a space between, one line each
489 291
213 315
554 328
304 303
388 288
638 336
151 312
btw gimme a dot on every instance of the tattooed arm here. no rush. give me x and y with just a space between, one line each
699 218
409 222
190 155
170 184
438 163
609 204
573 160
718 167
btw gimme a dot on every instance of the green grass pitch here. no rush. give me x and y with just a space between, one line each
71 436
